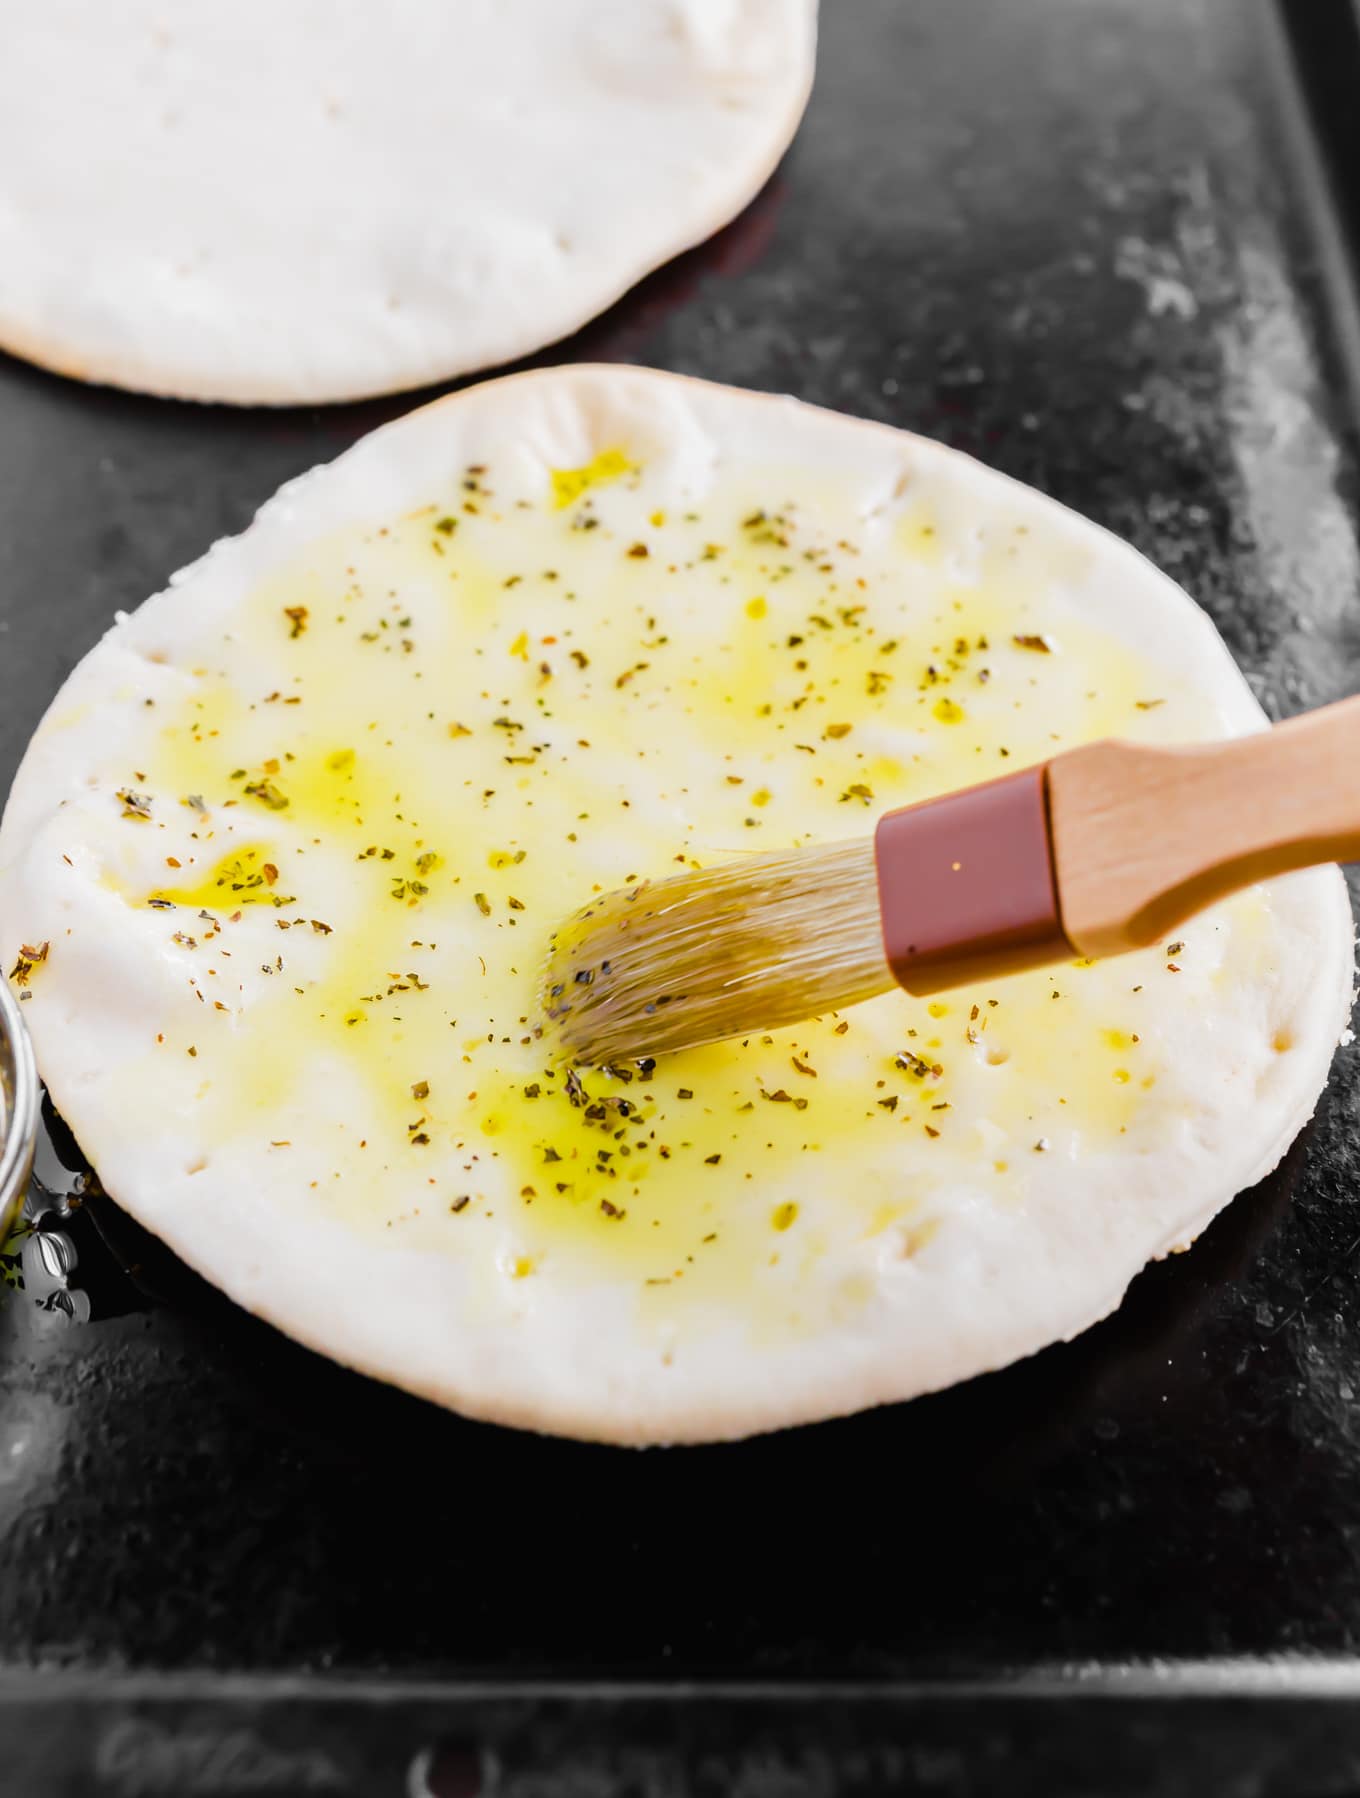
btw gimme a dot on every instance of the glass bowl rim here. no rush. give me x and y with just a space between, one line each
19 1112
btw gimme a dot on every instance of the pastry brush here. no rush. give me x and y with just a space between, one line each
1100 850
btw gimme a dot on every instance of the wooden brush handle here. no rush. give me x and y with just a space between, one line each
1144 837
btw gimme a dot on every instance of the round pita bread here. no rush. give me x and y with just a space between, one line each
272 204
296 832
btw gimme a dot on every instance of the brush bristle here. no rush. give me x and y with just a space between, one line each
750 945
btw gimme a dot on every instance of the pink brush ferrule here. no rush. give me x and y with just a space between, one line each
966 886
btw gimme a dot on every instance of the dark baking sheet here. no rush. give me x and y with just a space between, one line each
1103 245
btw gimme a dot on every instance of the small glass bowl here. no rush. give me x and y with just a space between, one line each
18 1109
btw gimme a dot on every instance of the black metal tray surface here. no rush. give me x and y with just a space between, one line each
1101 244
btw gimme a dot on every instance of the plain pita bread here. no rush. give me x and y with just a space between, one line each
276 204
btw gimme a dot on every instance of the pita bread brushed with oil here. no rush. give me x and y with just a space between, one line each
279 869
